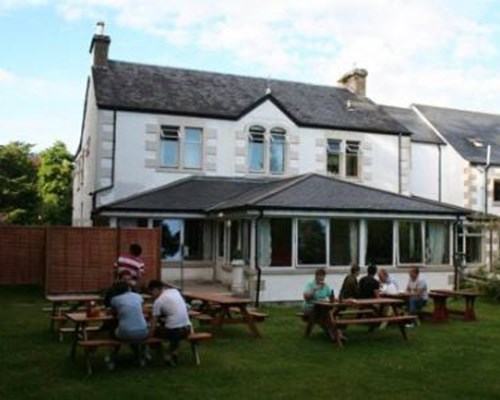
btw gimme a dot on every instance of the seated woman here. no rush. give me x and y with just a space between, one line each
132 327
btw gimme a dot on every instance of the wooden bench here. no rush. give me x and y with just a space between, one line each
400 320
91 346
344 313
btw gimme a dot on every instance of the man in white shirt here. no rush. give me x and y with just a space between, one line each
170 305
417 289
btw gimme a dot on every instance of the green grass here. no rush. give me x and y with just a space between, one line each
457 360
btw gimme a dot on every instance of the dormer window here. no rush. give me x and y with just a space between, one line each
169 146
256 141
277 151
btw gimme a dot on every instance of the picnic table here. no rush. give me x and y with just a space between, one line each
329 315
220 309
441 311
74 301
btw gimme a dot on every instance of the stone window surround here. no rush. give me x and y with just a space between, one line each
268 127
342 157
181 140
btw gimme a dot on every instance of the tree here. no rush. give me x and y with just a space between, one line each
54 184
19 201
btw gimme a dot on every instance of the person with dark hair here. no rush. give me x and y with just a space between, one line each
130 265
417 289
368 285
317 289
350 287
132 326
170 305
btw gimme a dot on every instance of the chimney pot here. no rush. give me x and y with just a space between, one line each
355 81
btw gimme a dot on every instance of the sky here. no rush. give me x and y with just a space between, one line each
436 52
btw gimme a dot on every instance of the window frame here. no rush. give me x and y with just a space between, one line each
496 188
166 136
184 144
338 153
297 244
347 150
180 136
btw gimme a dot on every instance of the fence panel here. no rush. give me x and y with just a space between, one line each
22 255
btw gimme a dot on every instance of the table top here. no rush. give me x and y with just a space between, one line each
82 317
217 298
73 297
398 295
454 292
360 302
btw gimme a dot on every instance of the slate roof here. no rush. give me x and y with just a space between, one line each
194 194
156 89
309 192
458 127
421 132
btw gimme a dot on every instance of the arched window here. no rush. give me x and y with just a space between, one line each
277 151
256 140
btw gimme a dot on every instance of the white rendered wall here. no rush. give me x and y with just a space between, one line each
453 166
82 200
290 287
225 150
424 176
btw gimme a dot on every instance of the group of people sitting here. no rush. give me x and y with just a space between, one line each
374 284
170 318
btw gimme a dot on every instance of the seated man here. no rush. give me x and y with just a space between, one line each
387 284
317 289
127 307
169 303
417 289
368 285
350 287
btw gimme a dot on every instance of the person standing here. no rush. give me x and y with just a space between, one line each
368 286
170 305
130 266
350 287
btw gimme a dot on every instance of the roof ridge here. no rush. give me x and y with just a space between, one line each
294 181
457 109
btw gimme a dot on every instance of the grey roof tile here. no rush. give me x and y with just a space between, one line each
309 192
148 88
458 127
421 132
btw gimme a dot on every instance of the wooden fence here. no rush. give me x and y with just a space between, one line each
67 259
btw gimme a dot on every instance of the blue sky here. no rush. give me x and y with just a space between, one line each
438 52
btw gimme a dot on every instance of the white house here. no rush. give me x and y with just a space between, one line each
292 175
455 158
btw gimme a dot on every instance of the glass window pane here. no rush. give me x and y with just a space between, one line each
193 239
192 148
256 153
170 239
437 242
410 242
344 247
352 158
333 163
169 152
379 246
312 241
473 252
221 233
281 242
277 163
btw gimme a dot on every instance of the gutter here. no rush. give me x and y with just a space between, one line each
486 168
440 172
257 266
112 184
399 165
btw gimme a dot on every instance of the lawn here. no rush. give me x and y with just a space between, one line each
457 360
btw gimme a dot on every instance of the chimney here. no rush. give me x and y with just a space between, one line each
99 46
355 81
